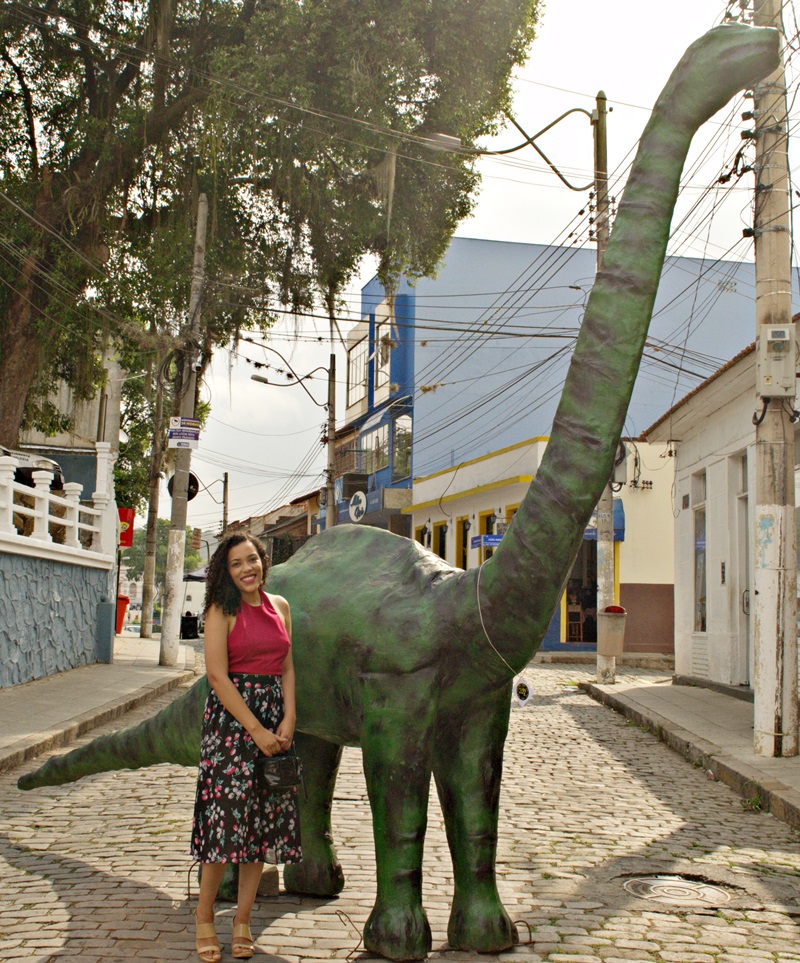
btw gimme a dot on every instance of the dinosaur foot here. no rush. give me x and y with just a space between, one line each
398 933
314 878
482 926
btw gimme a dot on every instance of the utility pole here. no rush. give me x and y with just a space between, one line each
606 664
775 608
330 495
224 502
176 546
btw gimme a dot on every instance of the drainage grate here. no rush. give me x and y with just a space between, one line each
676 889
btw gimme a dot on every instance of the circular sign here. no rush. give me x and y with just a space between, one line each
358 506
194 486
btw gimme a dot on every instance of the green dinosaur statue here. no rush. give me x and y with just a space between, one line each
414 662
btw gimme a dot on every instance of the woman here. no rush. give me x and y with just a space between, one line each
249 711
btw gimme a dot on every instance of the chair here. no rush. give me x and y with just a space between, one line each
574 623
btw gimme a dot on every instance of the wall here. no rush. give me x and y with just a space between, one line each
48 611
713 430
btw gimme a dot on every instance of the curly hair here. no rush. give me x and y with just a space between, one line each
220 589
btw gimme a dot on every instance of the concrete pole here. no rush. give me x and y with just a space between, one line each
176 545
606 664
775 609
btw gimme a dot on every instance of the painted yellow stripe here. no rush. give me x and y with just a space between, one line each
492 486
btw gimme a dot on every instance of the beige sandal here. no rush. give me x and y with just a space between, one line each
209 952
242 946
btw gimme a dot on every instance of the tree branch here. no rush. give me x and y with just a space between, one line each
28 101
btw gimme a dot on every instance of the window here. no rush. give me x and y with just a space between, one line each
357 359
375 450
699 506
383 353
401 447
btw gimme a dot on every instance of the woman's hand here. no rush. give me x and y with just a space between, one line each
285 732
270 743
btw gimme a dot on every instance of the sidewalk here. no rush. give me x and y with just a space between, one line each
48 713
713 730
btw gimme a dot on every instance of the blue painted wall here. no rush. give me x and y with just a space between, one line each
48 614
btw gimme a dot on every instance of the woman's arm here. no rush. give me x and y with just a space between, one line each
286 728
217 628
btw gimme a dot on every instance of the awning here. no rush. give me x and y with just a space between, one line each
375 419
590 532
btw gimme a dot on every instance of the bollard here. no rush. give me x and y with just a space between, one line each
104 630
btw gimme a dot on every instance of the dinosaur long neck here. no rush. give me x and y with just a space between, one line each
520 586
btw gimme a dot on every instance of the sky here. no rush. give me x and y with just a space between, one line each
268 437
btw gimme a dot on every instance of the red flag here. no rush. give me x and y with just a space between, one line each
126 516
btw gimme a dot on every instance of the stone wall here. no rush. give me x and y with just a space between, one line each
48 614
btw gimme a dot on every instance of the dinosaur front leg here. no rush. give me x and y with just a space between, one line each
320 873
398 722
467 766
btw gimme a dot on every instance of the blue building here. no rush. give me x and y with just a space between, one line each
474 359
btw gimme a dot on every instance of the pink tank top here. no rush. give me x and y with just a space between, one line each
259 641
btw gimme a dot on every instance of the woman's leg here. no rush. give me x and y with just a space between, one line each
242 945
249 876
210 878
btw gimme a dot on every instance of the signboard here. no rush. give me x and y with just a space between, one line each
193 487
183 433
485 541
358 506
126 516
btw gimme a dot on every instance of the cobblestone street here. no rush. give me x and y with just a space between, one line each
97 870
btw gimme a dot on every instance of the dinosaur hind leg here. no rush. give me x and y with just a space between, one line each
467 766
320 873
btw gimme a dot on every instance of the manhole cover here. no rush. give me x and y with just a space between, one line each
676 889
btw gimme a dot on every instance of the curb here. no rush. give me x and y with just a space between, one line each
758 790
75 727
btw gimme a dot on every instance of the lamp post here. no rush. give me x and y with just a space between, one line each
330 405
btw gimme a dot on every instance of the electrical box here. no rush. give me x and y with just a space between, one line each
777 365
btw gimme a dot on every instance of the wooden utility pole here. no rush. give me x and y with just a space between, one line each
176 546
775 608
606 664
330 492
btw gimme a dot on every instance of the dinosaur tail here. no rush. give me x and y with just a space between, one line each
172 735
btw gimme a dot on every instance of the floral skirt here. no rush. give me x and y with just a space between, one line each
236 818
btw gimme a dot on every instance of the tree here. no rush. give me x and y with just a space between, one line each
298 115
134 556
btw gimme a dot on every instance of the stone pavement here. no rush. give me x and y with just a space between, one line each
51 712
598 821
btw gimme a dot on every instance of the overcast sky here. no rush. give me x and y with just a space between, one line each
267 438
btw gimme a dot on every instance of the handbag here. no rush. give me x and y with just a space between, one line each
280 773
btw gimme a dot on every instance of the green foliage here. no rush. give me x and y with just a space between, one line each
134 556
300 121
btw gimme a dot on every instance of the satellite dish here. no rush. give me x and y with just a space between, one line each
194 486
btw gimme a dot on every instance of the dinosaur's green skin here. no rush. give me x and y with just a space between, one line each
389 649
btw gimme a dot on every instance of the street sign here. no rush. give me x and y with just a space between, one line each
485 541
194 486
